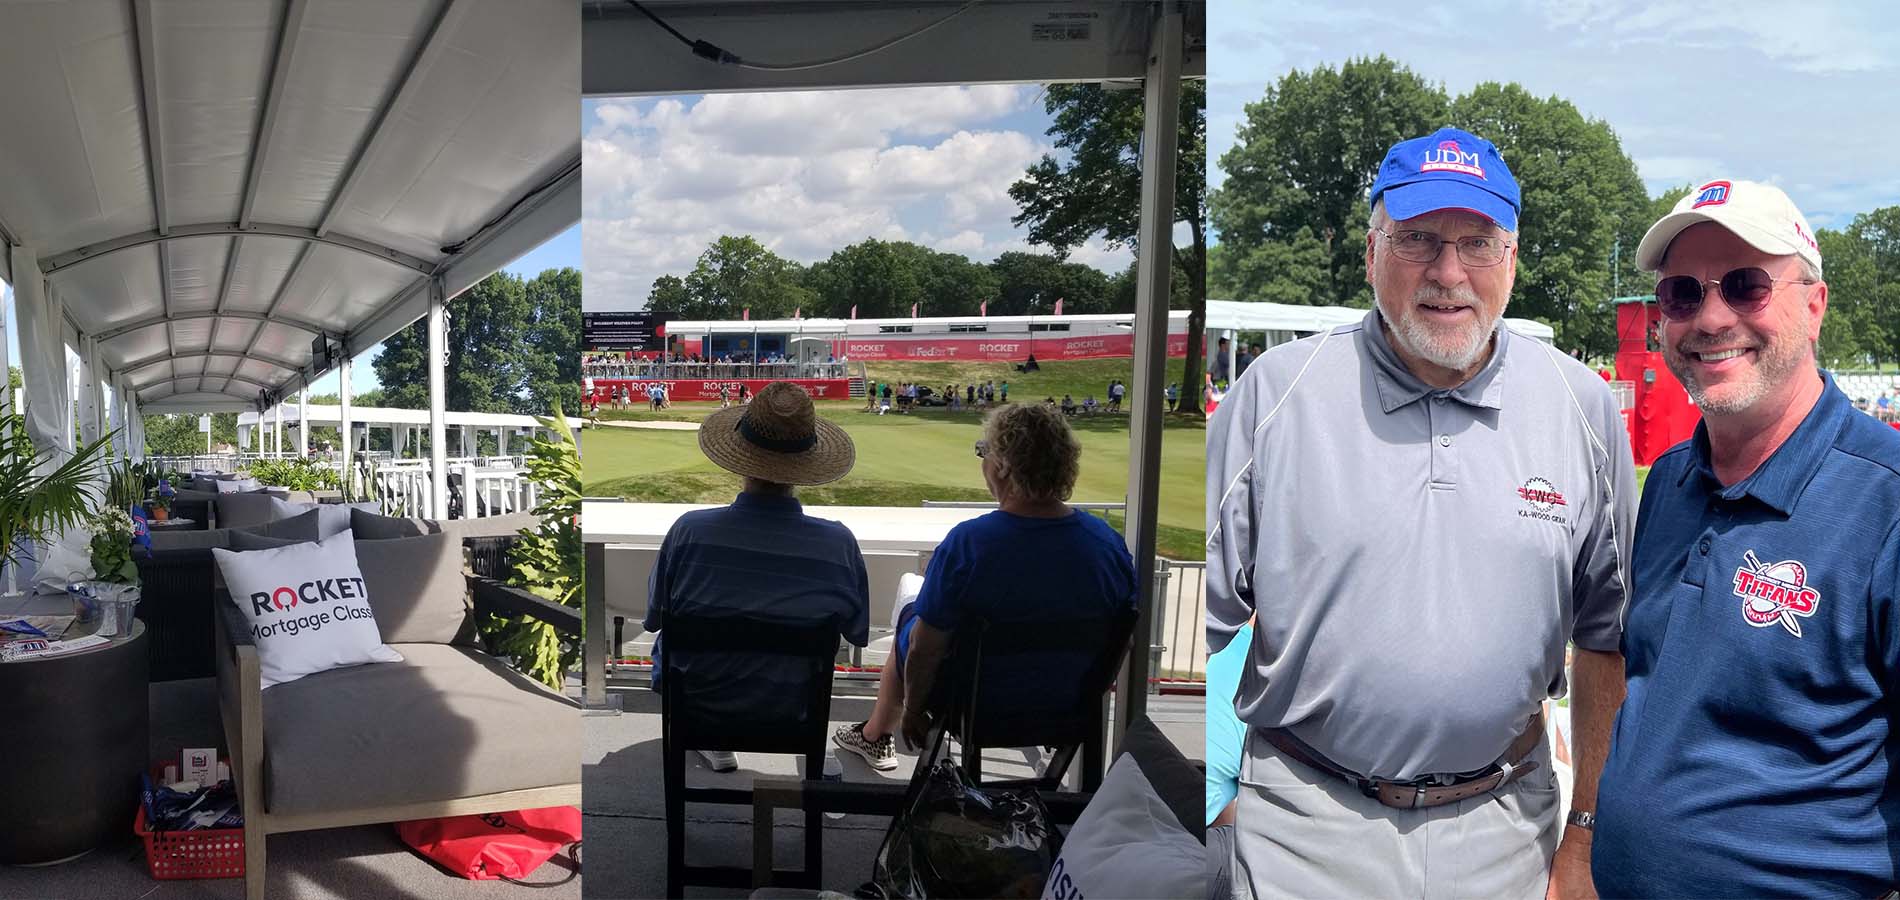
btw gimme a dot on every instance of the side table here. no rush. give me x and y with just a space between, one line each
75 747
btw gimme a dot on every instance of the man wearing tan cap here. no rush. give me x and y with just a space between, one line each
762 557
1755 753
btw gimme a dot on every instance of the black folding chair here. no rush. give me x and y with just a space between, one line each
1078 724
685 728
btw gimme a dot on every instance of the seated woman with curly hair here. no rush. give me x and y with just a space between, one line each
1035 559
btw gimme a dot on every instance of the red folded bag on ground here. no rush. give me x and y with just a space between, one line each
495 845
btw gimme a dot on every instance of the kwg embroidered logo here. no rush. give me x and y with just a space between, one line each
1715 193
1775 593
1542 500
1449 157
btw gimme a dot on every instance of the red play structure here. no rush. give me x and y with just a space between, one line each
1660 415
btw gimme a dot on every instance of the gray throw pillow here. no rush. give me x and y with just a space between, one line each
245 540
417 589
298 528
369 526
245 510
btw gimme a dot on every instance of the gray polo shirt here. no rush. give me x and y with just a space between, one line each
1416 558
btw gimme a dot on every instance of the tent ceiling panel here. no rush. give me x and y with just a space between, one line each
261 267
102 297
332 293
192 334
213 64
141 344
75 143
489 111
196 273
184 169
350 57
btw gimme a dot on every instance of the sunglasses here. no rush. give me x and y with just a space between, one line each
1746 290
982 449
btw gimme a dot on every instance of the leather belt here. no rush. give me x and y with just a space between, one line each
1423 792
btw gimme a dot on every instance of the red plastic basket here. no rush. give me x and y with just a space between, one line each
201 853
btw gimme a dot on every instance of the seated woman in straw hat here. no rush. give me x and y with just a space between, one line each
762 557
1035 559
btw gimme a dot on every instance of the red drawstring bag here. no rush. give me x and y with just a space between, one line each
496 845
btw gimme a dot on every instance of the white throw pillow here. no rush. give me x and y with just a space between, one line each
332 518
307 608
237 487
1127 845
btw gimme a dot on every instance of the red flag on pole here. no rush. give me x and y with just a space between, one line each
1058 306
854 310
745 315
913 310
983 309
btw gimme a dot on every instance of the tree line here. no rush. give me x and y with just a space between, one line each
1291 215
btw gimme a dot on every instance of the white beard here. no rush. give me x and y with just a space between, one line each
1456 348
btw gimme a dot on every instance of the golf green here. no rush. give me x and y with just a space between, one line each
903 460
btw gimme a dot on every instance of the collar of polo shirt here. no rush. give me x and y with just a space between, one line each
1398 386
1779 481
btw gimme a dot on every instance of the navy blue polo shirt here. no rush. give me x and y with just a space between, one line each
1754 754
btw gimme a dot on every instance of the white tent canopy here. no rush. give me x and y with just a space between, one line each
204 200
1233 315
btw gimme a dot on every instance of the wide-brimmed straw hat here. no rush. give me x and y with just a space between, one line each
778 437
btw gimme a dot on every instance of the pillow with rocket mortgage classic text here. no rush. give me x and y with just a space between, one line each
306 606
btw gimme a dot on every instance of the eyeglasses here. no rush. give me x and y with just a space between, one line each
1746 290
1476 250
982 449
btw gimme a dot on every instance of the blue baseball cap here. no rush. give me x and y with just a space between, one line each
1447 169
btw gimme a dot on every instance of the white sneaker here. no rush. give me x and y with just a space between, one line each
719 760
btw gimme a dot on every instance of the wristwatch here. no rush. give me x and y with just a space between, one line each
1584 819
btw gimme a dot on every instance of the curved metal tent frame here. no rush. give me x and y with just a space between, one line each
1152 44
196 194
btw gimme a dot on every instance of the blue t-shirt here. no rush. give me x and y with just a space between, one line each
1754 754
760 558
1006 568
1226 734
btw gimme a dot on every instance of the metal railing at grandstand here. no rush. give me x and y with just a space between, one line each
718 371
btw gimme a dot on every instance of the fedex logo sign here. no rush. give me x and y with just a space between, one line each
1449 157
1715 193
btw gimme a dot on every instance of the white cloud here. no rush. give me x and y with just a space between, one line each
805 174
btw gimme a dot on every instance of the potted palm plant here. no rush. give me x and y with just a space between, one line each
38 499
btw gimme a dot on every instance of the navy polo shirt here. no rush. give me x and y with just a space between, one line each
1755 753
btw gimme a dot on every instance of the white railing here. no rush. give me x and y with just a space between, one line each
489 487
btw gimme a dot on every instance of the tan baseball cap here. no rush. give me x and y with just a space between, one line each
1757 213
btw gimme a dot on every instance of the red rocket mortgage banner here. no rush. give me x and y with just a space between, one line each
1101 346
708 388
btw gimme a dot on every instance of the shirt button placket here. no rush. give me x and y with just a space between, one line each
1444 473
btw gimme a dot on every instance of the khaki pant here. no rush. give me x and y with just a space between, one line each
1303 833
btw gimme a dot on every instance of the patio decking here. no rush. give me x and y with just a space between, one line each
625 810
335 864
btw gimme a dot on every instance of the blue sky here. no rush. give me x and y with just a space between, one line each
1800 95
560 251
805 173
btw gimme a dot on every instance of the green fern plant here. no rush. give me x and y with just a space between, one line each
35 505
546 561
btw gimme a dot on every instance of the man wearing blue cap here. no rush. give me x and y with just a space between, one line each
1420 511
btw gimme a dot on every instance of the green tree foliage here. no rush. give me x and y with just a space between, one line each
1861 265
1098 189
739 273
1031 283
1579 191
178 435
1292 212
511 349
546 561
668 294
884 278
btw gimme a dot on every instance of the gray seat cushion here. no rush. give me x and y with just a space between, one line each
444 723
416 589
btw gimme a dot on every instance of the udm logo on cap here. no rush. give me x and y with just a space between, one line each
1449 157
1715 193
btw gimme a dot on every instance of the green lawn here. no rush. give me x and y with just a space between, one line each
902 461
